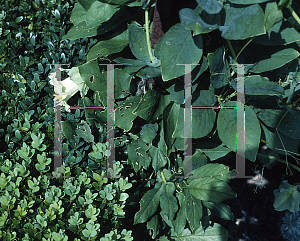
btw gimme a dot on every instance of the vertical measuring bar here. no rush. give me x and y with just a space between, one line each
240 126
57 122
188 144
110 120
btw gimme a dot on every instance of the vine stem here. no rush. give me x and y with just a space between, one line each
163 177
294 14
148 35
274 158
231 50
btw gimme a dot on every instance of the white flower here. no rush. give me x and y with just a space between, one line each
68 87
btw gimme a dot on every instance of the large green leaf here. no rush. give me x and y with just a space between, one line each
97 81
146 107
159 159
153 225
203 118
180 221
137 155
227 130
193 207
87 21
211 6
68 129
247 2
107 47
287 197
178 47
124 113
148 204
84 131
98 13
280 34
272 15
218 68
170 118
243 23
258 85
90 73
282 144
222 210
216 151
164 100
148 132
138 42
168 202
191 20
209 183
215 233
275 61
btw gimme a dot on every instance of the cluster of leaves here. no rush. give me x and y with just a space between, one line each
154 122
33 205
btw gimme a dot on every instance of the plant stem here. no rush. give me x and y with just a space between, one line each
274 158
244 47
163 177
294 14
148 35
232 51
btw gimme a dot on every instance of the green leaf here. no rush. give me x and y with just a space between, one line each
209 183
147 106
168 202
191 20
107 47
149 72
178 47
95 80
226 125
211 6
193 207
131 62
247 2
153 225
272 15
258 85
288 125
279 142
148 132
243 23
216 152
222 210
287 197
215 233
87 21
124 113
218 69
84 131
138 42
148 204
159 159
170 118
203 119
68 129
275 61
137 156
282 33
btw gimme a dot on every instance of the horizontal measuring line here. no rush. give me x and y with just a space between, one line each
215 107
87 107
99 107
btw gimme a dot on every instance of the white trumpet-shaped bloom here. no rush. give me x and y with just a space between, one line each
68 87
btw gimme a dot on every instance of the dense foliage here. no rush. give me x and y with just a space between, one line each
150 126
